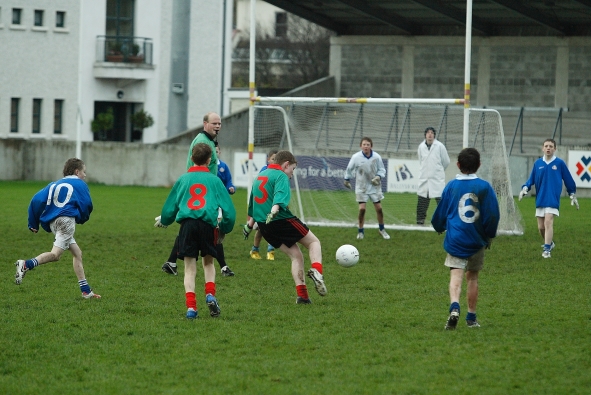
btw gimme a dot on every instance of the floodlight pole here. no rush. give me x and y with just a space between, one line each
467 72
251 86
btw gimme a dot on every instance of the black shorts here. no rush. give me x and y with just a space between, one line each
283 231
197 236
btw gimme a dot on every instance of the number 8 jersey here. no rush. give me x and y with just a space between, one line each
469 211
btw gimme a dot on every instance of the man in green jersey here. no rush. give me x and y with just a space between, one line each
268 207
195 202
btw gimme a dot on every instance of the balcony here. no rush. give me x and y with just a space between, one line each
126 58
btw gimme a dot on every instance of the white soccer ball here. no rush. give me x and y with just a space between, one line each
347 255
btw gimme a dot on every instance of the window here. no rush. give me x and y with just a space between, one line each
120 18
60 19
38 17
281 24
16 16
58 107
14 102
36 115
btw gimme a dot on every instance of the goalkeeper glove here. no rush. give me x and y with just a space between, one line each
376 180
270 216
574 201
347 184
246 231
523 193
221 237
159 224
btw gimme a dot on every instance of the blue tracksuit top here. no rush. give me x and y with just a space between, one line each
68 197
225 175
548 178
469 212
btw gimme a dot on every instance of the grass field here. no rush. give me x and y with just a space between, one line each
378 331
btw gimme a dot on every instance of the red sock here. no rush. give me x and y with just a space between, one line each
190 300
210 288
317 266
302 291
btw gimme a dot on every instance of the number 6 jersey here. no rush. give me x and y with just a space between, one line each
469 211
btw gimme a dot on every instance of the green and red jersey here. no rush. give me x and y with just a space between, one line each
198 194
271 187
205 138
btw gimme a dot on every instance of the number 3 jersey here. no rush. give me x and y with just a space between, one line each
68 197
469 211
198 194
270 187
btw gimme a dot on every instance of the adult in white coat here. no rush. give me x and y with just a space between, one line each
433 160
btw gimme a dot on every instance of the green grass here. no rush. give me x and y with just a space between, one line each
378 331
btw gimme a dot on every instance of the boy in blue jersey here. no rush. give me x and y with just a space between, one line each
469 212
548 174
194 202
58 208
254 252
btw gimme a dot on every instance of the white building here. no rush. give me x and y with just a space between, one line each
65 61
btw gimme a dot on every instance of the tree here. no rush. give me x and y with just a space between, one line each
102 123
141 120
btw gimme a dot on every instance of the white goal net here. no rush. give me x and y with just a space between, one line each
324 134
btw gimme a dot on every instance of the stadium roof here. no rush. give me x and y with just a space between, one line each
562 18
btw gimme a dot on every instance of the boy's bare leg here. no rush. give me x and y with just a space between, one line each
190 274
472 290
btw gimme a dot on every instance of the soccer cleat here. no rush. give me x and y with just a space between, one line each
452 321
90 295
227 272
472 324
385 235
212 303
546 254
318 281
360 235
300 300
551 246
168 268
255 255
21 270
270 255
192 314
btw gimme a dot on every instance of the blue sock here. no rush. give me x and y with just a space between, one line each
360 230
84 287
270 248
255 248
31 263
381 226
546 247
454 306
471 317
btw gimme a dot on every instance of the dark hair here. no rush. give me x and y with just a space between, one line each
284 156
431 128
72 165
469 160
200 154
550 140
271 153
366 139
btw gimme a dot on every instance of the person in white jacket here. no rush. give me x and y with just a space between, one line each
368 169
433 160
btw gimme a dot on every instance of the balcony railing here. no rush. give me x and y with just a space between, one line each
124 49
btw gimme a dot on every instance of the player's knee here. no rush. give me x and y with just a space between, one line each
362 211
379 211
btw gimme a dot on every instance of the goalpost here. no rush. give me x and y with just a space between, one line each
323 133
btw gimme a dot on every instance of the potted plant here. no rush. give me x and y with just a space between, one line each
101 124
114 54
141 120
135 56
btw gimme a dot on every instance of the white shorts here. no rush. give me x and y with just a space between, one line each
473 264
364 197
63 228
542 211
